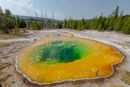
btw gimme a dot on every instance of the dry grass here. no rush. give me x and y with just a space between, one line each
9 36
5 44
12 34
122 44
58 34
116 85
36 32
126 77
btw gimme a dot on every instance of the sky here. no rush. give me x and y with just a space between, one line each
62 9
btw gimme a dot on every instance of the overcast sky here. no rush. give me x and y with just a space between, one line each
65 8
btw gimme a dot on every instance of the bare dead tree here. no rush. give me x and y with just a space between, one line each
30 24
42 17
52 24
67 20
36 14
46 20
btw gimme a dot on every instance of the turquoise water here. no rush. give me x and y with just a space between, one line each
60 51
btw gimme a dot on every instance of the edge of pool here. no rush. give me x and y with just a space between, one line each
78 36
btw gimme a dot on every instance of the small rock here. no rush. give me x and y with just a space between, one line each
35 39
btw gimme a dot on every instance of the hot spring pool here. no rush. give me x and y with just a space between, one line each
64 58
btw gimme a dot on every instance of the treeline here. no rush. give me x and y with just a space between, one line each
10 24
113 22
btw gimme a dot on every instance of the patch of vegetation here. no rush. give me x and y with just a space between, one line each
59 25
5 44
126 77
7 36
10 23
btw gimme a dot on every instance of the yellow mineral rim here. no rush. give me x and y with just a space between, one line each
80 59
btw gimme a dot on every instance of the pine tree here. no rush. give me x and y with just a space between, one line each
59 25
74 24
16 28
65 23
116 12
86 26
79 27
118 25
106 23
35 25
111 24
100 27
1 10
83 23
94 23
69 23
18 20
22 24
43 25
27 25
126 27
8 12
6 21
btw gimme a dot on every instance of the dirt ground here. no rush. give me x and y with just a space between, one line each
10 48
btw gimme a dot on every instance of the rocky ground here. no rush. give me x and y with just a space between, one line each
10 48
